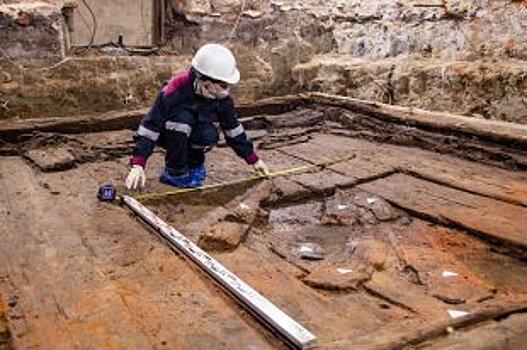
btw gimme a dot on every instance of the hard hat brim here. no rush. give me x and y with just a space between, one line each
235 77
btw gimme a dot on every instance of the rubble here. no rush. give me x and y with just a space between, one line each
372 252
52 159
309 251
330 278
223 236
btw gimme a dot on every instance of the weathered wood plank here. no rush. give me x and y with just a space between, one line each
57 293
371 159
495 219
498 131
406 335
319 180
497 183
404 294
255 302
376 158
10 130
84 272
349 314
510 333
324 181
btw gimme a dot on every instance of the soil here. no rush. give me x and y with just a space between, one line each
5 337
401 238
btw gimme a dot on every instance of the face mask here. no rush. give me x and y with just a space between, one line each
210 90
222 93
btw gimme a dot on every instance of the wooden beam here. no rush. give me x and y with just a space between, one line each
494 130
11 130
265 311
158 22
488 218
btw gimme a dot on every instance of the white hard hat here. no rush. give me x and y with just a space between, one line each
217 62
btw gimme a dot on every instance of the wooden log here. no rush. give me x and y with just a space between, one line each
11 130
497 131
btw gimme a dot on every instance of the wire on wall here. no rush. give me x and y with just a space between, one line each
141 51
94 29
242 8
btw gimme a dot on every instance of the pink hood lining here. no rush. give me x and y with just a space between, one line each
176 82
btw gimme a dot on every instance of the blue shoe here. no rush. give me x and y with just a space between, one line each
199 173
186 180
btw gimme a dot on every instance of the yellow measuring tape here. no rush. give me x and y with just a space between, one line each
283 172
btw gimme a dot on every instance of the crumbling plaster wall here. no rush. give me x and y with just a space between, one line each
464 56
130 19
32 34
40 78
447 29
453 55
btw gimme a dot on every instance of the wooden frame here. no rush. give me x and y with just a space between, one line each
158 22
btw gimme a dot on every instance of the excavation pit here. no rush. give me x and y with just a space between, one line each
422 229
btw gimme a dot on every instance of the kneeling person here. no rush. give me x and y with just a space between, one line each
181 121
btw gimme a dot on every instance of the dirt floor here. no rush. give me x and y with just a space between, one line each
418 241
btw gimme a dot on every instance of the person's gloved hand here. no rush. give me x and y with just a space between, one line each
136 177
261 168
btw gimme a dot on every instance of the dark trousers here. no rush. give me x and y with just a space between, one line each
184 152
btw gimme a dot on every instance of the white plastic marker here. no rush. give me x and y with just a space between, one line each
257 304
344 271
306 249
371 200
449 274
244 206
457 313
341 206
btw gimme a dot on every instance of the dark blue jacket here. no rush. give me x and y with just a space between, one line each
178 114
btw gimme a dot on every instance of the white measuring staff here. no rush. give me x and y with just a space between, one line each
251 299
